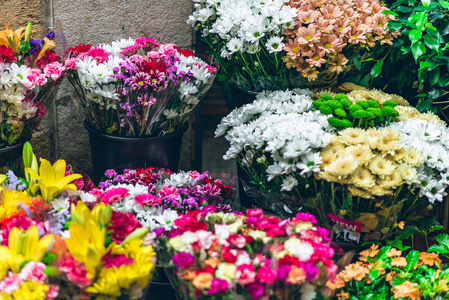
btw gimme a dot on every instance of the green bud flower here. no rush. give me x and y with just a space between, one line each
346 102
355 107
341 97
335 104
334 122
360 114
363 104
317 103
324 109
326 97
375 111
373 103
340 112
345 123
389 111
391 103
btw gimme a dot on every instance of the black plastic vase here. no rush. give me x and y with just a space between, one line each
109 151
11 158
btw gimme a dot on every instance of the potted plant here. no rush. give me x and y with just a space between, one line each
137 97
30 71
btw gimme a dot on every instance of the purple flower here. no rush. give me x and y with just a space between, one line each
110 173
255 290
306 217
183 260
14 182
50 35
159 231
323 232
311 270
282 272
218 286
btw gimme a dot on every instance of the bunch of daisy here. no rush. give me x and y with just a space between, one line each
29 69
328 34
137 88
246 38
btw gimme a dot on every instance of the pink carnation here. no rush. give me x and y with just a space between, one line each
54 70
171 192
194 174
74 270
52 292
265 274
148 199
33 271
35 76
71 63
10 283
183 260
245 274
116 260
218 286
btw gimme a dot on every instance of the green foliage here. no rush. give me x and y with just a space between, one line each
417 64
363 114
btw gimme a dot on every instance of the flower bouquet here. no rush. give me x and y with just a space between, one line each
137 88
280 44
29 71
156 198
387 273
360 160
231 256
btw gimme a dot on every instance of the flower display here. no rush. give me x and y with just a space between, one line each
221 255
328 34
363 160
388 273
156 197
137 88
281 44
29 69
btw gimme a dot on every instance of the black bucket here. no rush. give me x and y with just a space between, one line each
241 96
11 158
111 151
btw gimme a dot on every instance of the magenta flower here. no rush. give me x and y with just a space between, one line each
245 274
218 286
265 275
306 217
171 192
256 290
183 260
148 199
122 225
114 195
99 54
140 81
116 260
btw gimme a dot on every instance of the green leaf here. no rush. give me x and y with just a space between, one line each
444 80
376 69
404 9
421 19
412 259
421 95
425 3
443 239
444 4
440 249
389 12
25 47
415 35
394 25
424 106
432 42
434 76
418 49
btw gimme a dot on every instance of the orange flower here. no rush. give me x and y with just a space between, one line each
429 258
202 281
297 275
399 262
213 262
340 282
407 290
394 252
356 271
371 252
343 295
390 276
401 225
190 275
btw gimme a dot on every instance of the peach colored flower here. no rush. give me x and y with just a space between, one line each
401 225
429 258
356 271
331 12
331 44
202 281
342 27
190 275
292 49
394 252
308 35
310 73
297 275
399 262
357 34
343 295
316 58
407 290
213 262
390 276
337 63
307 17
371 252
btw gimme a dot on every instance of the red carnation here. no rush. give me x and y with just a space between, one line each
122 225
77 50
187 53
7 55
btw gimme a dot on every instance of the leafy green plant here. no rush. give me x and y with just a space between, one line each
417 65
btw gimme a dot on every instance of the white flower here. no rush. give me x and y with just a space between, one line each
87 197
308 291
167 219
289 183
235 45
304 251
60 204
274 44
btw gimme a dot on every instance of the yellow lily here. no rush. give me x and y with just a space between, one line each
87 236
49 44
11 38
52 178
23 246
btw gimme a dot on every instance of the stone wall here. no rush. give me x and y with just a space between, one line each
97 21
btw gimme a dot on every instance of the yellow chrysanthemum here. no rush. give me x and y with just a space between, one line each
335 145
391 181
31 290
389 141
356 192
408 173
9 202
381 166
327 158
372 138
352 136
342 166
413 157
399 154
362 153
325 176
363 178
380 191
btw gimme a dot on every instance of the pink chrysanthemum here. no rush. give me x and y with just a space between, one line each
148 200
308 35
114 195
146 100
140 81
157 79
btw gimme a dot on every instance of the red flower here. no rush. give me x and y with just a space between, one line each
288 260
77 50
239 240
230 256
122 225
49 57
7 55
187 53
187 223
39 208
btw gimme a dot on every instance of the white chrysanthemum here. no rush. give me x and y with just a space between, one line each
274 44
289 183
